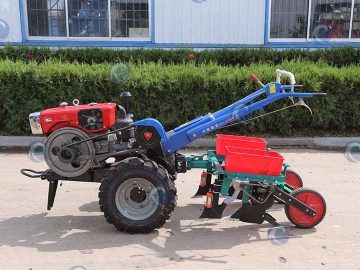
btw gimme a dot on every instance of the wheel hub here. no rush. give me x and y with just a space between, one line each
66 154
137 198
137 195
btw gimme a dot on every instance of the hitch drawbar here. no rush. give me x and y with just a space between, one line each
44 175
93 176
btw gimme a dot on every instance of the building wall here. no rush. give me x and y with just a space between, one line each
181 23
210 21
10 25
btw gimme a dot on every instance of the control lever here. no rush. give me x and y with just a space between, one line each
255 79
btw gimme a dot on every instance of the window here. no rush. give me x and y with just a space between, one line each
315 19
46 18
89 18
356 20
130 18
330 18
289 18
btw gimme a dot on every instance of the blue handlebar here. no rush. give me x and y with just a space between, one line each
203 125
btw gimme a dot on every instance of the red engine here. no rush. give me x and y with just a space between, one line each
91 118
78 137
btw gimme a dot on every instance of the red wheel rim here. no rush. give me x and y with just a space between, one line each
312 200
293 180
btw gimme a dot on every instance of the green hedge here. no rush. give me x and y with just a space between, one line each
177 93
226 57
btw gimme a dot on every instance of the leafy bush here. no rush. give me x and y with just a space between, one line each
226 57
177 93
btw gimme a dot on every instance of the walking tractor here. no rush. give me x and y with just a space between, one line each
137 162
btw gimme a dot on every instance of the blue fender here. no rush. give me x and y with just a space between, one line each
157 125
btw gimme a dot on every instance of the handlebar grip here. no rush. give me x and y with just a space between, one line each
31 173
280 72
253 77
320 95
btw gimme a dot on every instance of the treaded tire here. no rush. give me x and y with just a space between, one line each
137 168
300 219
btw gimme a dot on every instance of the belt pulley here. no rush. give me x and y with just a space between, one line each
65 155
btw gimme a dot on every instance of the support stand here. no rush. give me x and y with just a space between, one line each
52 192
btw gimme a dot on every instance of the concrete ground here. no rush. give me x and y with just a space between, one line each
74 235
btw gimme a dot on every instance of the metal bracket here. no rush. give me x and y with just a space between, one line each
288 199
302 103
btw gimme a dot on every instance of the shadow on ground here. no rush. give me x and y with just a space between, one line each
88 233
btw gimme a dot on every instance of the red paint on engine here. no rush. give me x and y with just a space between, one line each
67 116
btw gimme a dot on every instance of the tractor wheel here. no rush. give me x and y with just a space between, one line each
137 196
311 198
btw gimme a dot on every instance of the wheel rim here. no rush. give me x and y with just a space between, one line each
137 198
293 180
312 200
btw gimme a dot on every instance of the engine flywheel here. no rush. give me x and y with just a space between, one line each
69 161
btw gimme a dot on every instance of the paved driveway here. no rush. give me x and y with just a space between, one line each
74 235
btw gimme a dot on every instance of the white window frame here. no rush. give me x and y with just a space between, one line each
150 3
308 38
295 40
67 37
352 21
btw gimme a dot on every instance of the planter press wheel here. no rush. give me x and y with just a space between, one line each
293 180
311 198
